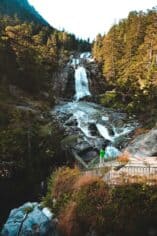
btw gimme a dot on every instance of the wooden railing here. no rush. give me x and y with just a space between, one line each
126 174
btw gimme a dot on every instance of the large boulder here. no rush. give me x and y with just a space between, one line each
145 145
30 219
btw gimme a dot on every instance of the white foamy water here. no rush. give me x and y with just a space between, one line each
103 131
81 83
95 123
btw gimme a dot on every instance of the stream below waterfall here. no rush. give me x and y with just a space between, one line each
95 126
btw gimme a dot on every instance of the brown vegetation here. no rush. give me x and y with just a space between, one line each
124 158
68 224
91 206
63 181
139 131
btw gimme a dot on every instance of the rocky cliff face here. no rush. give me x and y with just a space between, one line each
64 85
96 80
145 145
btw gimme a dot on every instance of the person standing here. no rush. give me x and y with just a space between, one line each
101 156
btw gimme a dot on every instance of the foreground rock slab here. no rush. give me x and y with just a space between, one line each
145 145
30 219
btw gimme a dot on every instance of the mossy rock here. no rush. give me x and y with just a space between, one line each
69 140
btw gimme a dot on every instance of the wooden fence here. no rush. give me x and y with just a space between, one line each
126 174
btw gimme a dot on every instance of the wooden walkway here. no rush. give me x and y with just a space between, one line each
114 174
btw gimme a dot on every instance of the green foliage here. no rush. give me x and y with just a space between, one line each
60 188
91 200
111 99
30 53
69 141
85 203
136 202
128 57
21 9
28 143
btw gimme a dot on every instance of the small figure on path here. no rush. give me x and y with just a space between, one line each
101 155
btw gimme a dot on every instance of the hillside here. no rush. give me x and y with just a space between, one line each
31 54
128 59
22 9
34 63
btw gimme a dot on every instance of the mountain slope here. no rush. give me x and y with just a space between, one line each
22 9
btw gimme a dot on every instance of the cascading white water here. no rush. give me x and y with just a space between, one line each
81 83
95 124
104 132
82 119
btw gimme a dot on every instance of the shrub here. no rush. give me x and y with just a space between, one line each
133 204
60 188
109 98
68 222
87 205
91 202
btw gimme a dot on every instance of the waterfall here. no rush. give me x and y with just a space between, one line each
95 126
81 83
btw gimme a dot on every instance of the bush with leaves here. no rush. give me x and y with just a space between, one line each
60 188
86 204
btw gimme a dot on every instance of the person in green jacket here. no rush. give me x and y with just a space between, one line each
102 155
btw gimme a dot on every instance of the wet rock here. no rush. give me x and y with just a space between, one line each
88 154
99 142
63 118
93 129
96 80
69 141
71 122
63 85
87 99
81 146
92 124
106 143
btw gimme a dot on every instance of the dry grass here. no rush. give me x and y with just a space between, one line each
68 221
64 181
85 180
85 208
92 204
124 157
139 131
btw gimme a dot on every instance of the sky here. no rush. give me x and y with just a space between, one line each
87 18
